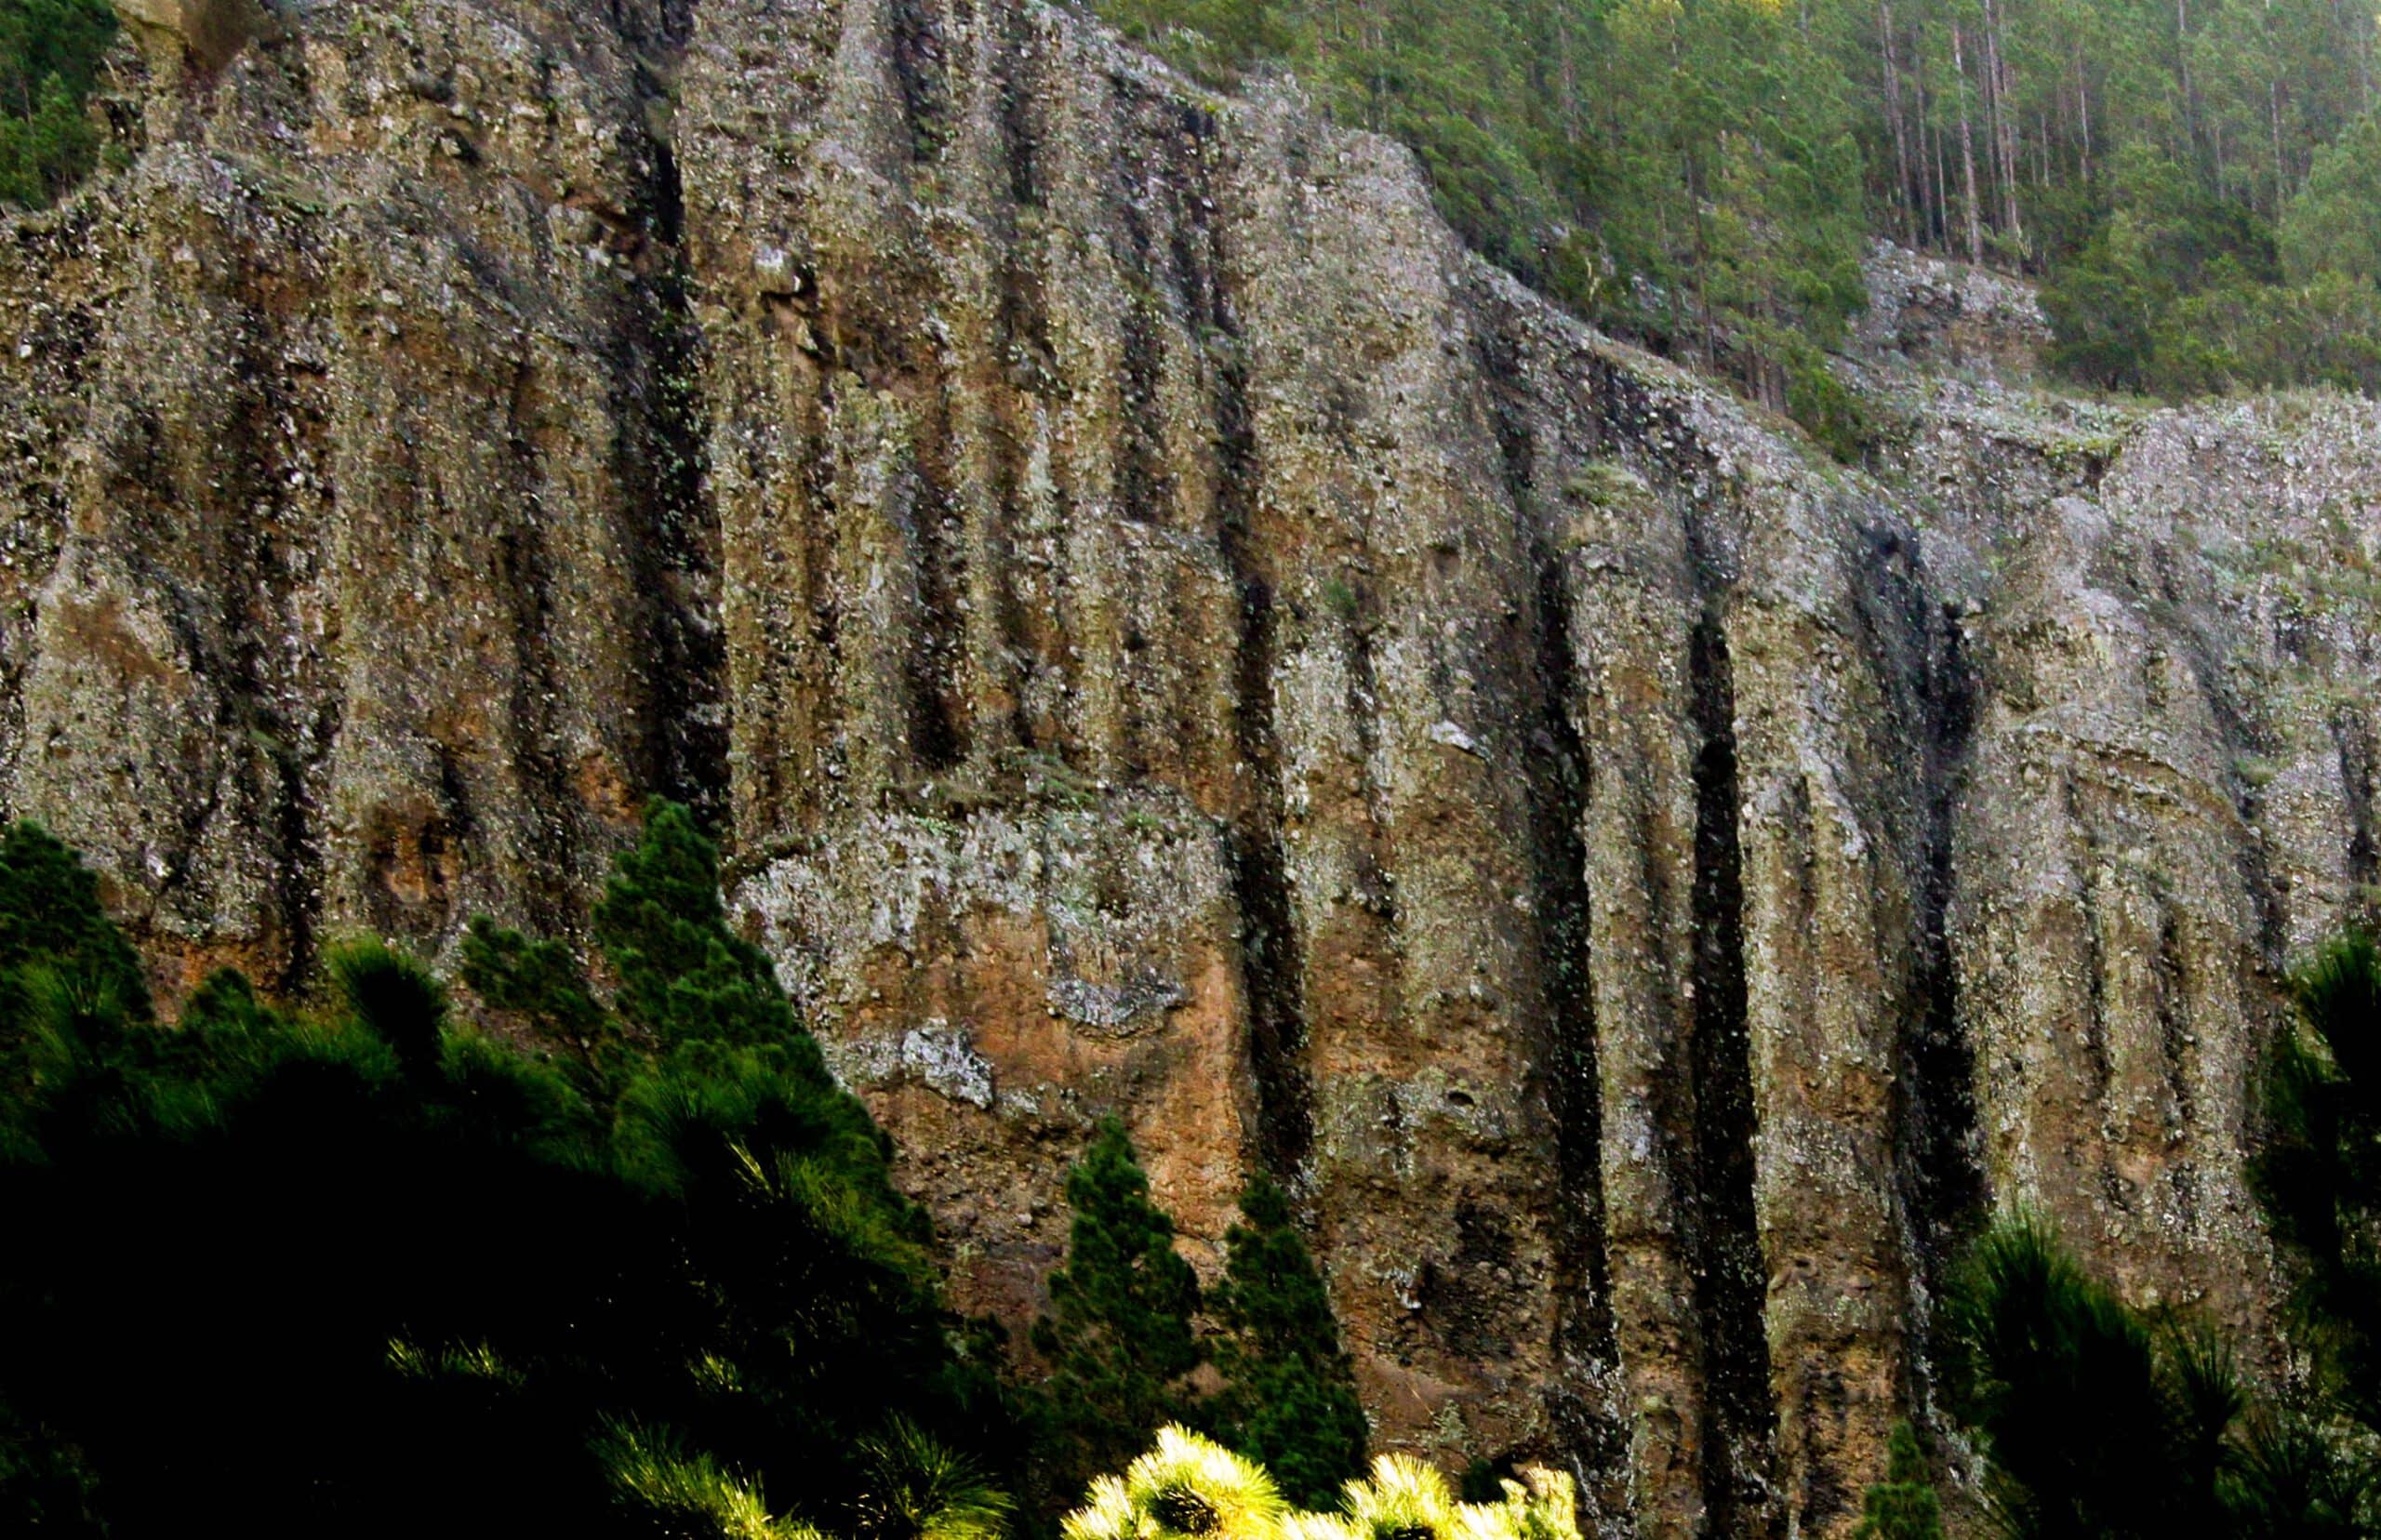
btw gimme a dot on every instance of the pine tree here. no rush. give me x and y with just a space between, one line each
1119 1334
539 981
684 975
1289 1396
2317 1178
50 913
395 998
49 57
1903 1505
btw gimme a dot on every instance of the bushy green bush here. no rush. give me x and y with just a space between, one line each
1903 1505
2318 1174
369 1272
2099 1422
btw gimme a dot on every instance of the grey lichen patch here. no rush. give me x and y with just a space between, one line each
1119 1008
936 1054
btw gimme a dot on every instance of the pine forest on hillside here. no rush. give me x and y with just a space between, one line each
2198 183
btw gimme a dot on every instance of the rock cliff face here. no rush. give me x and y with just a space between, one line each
1161 628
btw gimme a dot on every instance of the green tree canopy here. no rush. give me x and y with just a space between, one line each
376 1274
50 52
1118 1337
1289 1396
1903 1505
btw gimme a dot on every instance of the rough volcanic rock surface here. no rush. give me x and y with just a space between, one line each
1161 628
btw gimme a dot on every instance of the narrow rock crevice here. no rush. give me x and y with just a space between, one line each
918 72
1271 976
665 467
1019 144
1740 1421
1942 1188
525 575
1914 647
268 671
1145 484
931 661
1559 781
2353 745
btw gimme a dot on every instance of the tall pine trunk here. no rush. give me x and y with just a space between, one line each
2005 118
1967 148
1904 194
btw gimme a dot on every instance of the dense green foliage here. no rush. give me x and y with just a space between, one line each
374 1273
2319 1175
1118 1337
49 55
2100 1422
2194 178
1123 1338
1903 1505
1289 1397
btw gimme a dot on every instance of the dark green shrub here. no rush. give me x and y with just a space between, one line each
49 57
1118 1337
377 1275
1289 1395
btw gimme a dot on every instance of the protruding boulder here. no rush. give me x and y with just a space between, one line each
210 32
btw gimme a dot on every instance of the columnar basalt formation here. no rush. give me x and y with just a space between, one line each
1161 628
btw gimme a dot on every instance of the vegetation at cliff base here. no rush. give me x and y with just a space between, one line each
626 1260
2099 1421
49 58
365 1270
2317 1175
1123 1338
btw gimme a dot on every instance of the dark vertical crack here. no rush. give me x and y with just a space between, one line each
2170 999
525 569
1271 976
1944 1192
1270 964
2354 746
1019 143
666 455
1739 1420
282 788
1145 479
2238 731
2096 980
930 663
918 73
1916 650
1558 787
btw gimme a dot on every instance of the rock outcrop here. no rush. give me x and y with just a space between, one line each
1161 628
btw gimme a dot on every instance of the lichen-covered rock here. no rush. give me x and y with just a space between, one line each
1162 630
